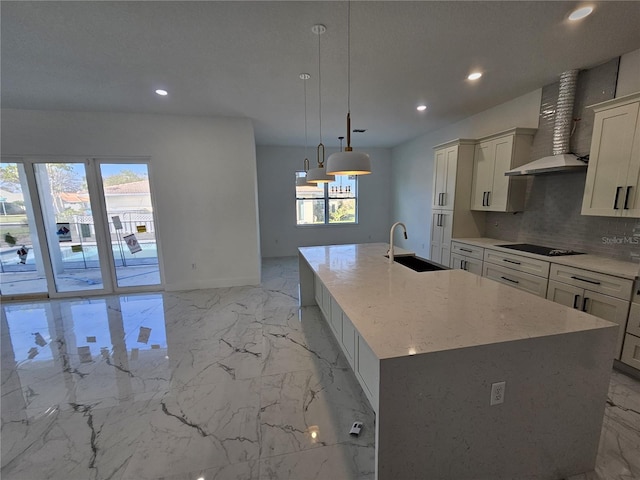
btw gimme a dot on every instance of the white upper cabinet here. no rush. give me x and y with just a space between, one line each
613 175
444 177
491 189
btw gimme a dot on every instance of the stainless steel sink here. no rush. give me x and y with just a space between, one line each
419 264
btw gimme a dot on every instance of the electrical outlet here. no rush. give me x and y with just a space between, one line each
497 393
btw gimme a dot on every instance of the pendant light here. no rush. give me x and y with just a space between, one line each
319 174
301 181
349 162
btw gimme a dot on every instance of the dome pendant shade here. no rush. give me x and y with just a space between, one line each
349 162
319 175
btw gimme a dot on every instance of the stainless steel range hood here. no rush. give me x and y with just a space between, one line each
561 160
565 162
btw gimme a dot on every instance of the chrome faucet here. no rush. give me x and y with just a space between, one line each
393 227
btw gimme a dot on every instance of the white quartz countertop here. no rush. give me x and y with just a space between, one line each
595 263
400 312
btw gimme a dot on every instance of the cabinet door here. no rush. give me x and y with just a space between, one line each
439 176
317 283
451 159
609 308
631 352
445 243
336 318
473 265
611 148
499 191
456 261
349 340
564 294
483 163
631 207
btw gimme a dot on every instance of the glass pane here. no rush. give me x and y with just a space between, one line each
132 230
69 225
21 270
342 210
310 211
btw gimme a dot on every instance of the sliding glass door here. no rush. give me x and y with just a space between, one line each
76 226
21 261
132 229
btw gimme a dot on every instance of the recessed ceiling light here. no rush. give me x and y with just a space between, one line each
162 93
474 76
421 108
580 13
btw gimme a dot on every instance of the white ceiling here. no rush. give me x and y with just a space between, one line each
240 58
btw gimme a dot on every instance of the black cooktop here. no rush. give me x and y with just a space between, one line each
540 250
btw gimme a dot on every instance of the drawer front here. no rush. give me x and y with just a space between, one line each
631 351
467 250
368 369
597 282
633 325
349 340
518 262
520 280
336 318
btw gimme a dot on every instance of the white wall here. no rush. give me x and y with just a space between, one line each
629 74
412 172
279 235
203 174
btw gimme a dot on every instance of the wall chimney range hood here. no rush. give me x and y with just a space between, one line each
561 160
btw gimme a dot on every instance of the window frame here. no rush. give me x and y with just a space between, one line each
327 202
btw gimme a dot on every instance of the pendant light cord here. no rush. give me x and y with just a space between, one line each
319 89
349 56
306 138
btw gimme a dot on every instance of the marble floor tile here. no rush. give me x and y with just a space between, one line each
345 461
230 383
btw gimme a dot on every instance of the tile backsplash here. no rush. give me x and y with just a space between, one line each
552 211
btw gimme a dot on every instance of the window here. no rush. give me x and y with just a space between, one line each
327 203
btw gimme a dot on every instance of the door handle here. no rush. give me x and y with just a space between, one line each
575 300
584 304
615 200
626 199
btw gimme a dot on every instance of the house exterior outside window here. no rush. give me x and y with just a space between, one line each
330 203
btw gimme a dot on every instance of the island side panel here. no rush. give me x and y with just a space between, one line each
435 420
307 278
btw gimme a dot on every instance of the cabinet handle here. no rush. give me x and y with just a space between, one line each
584 304
444 198
575 301
585 280
511 261
615 200
465 250
466 264
484 199
509 280
488 199
626 199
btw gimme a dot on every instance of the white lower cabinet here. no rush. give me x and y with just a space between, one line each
520 280
335 317
471 265
360 357
441 230
368 371
631 348
349 341
631 351
602 306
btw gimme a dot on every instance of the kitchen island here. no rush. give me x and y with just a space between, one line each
427 349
